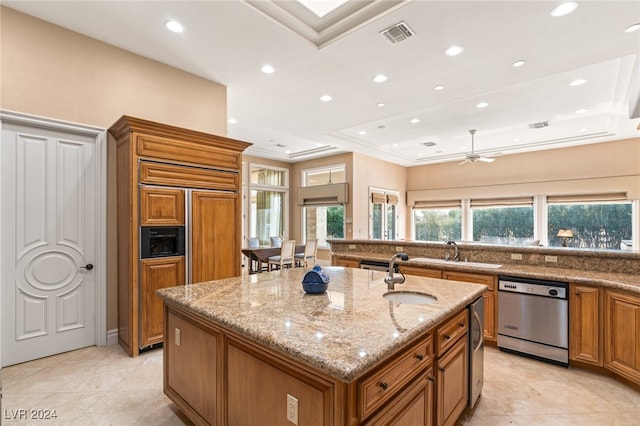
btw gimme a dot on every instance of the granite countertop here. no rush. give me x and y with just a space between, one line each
343 332
620 281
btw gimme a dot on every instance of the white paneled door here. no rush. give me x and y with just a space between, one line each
48 242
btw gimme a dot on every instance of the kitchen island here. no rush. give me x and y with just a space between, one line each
258 350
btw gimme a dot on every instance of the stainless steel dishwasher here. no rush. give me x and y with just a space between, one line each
533 318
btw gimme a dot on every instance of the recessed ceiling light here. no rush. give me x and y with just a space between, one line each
395 145
583 130
267 69
380 104
362 132
453 51
232 121
325 98
578 82
380 78
174 26
439 87
564 8
482 105
581 111
287 152
632 28
516 140
518 63
414 120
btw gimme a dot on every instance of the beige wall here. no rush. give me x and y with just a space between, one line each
51 72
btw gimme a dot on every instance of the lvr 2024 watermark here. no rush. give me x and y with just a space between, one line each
29 414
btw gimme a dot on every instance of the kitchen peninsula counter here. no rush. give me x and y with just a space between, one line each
337 338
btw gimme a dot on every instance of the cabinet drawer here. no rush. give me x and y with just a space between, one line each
380 387
185 176
187 152
488 280
451 331
421 272
161 206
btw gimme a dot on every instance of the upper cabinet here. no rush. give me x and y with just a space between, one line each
167 177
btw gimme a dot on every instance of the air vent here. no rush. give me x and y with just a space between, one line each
539 125
397 33
430 143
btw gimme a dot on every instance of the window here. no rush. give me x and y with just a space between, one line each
267 204
383 217
502 221
601 221
323 222
437 221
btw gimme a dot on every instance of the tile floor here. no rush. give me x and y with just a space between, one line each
103 386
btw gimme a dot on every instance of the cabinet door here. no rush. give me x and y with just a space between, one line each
421 272
584 324
452 383
347 263
215 236
161 206
622 331
490 301
412 407
154 275
193 369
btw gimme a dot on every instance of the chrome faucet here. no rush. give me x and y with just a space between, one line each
390 279
456 254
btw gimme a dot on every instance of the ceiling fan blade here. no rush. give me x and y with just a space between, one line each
487 159
463 162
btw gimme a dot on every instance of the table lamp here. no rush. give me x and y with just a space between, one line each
565 234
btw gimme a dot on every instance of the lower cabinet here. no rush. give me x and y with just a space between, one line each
452 369
193 368
413 406
622 334
585 324
347 263
490 312
154 275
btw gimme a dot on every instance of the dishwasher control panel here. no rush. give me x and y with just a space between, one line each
553 289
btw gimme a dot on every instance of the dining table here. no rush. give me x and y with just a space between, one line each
261 255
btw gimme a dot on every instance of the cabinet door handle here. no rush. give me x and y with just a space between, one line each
447 337
441 369
577 293
461 324
431 379
420 357
383 385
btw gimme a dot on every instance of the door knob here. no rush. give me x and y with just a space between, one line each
88 266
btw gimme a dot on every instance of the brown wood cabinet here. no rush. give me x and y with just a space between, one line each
156 274
490 297
156 167
585 324
421 272
347 263
622 334
452 370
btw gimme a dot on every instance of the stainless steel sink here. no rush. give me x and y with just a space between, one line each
450 262
410 297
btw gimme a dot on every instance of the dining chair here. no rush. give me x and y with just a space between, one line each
287 253
310 252
253 242
276 241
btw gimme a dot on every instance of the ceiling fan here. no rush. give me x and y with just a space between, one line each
472 157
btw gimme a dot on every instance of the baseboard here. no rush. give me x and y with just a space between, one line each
112 337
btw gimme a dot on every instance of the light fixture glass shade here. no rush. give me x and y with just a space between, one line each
565 233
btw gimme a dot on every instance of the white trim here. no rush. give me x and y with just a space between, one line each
99 135
112 337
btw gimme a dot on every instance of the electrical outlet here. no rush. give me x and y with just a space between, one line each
398 248
292 409
177 336
516 256
352 246
551 259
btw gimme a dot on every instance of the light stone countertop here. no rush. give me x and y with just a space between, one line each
619 281
343 332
